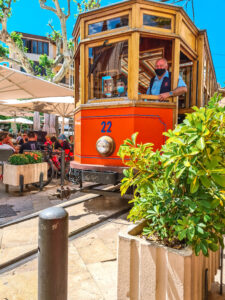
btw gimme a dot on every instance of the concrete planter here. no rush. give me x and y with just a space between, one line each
148 271
31 173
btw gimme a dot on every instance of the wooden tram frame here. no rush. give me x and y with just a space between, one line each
184 36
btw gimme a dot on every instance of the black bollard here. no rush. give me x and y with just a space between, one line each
53 254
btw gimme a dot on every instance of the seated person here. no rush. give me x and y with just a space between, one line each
55 144
48 141
63 142
65 146
12 138
4 141
71 139
24 139
32 143
161 83
121 86
19 137
41 135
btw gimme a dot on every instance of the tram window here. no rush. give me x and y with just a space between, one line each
108 69
204 71
108 25
186 74
156 21
151 49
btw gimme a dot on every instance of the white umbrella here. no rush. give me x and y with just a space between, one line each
66 120
60 106
17 121
16 84
11 111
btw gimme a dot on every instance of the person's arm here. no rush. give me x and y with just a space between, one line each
180 90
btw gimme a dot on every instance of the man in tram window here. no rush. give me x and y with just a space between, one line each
121 86
107 86
161 83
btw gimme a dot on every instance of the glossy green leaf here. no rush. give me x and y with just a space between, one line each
134 137
191 233
178 174
200 230
182 235
205 181
213 247
201 143
197 249
204 248
219 179
194 185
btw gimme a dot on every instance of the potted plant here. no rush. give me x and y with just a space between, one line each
180 197
24 169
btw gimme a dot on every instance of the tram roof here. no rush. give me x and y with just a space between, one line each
122 3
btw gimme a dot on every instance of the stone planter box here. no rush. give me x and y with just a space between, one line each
31 173
149 271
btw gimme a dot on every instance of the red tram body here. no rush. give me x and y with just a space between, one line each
121 43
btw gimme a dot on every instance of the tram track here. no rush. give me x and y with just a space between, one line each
73 234
63 204
111 191
26 257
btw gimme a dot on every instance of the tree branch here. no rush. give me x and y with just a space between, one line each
42 5
59 11
68 13
9 4
63 71
57 60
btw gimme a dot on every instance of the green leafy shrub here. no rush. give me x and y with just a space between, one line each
179 189
34 157
26 158
18 159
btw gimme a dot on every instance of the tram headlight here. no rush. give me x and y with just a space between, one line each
105 145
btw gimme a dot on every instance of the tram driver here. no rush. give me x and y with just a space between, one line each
161 83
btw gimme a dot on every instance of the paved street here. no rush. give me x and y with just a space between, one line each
92 268
92 256
13 206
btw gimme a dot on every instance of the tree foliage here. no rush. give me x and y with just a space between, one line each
180 189
64 46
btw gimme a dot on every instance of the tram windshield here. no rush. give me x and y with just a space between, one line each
151 50
108 69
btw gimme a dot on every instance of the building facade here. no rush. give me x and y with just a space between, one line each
38 45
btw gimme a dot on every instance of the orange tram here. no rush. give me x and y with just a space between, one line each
118 45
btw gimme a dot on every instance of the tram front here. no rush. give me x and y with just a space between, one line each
116 51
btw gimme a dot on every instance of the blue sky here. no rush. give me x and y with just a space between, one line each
30 18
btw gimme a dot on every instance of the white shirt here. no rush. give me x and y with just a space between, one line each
6 146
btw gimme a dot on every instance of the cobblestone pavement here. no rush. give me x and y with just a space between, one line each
92 268
92 257
13 205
